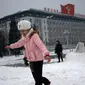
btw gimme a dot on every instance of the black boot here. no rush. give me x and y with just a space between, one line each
45 81
58 61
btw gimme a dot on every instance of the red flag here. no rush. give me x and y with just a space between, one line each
67 9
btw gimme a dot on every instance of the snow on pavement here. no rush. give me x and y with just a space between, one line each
69 72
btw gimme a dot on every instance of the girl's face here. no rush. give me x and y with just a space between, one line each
24 32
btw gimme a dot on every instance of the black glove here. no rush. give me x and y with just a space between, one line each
25 61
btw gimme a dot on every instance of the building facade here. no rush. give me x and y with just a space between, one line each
52 26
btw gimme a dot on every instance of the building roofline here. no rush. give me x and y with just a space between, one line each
37 12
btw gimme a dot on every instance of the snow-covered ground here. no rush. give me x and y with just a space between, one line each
69 72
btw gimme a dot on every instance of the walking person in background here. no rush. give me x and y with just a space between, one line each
35 50
2 44
58 50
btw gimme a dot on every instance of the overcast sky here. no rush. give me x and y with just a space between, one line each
8 7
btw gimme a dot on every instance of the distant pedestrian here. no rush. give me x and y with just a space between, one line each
58 50
35 50
2 44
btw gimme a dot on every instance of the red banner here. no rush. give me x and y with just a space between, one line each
67 9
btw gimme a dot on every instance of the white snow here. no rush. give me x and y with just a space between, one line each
69 72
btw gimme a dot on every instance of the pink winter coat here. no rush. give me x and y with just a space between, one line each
35 50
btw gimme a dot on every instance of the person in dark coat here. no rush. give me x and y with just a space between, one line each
1 45
58 50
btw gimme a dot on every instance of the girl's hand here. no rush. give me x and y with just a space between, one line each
48 59
7 46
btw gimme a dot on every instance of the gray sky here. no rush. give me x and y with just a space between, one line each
8 7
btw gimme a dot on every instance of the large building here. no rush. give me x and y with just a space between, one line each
52 26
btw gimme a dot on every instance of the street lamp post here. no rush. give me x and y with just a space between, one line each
66 32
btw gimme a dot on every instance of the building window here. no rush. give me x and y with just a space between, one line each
30 20
44 21
37 21
45 33
44 27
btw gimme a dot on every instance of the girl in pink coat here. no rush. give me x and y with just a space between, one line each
35 50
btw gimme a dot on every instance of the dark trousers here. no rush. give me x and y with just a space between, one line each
36 68
60 56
